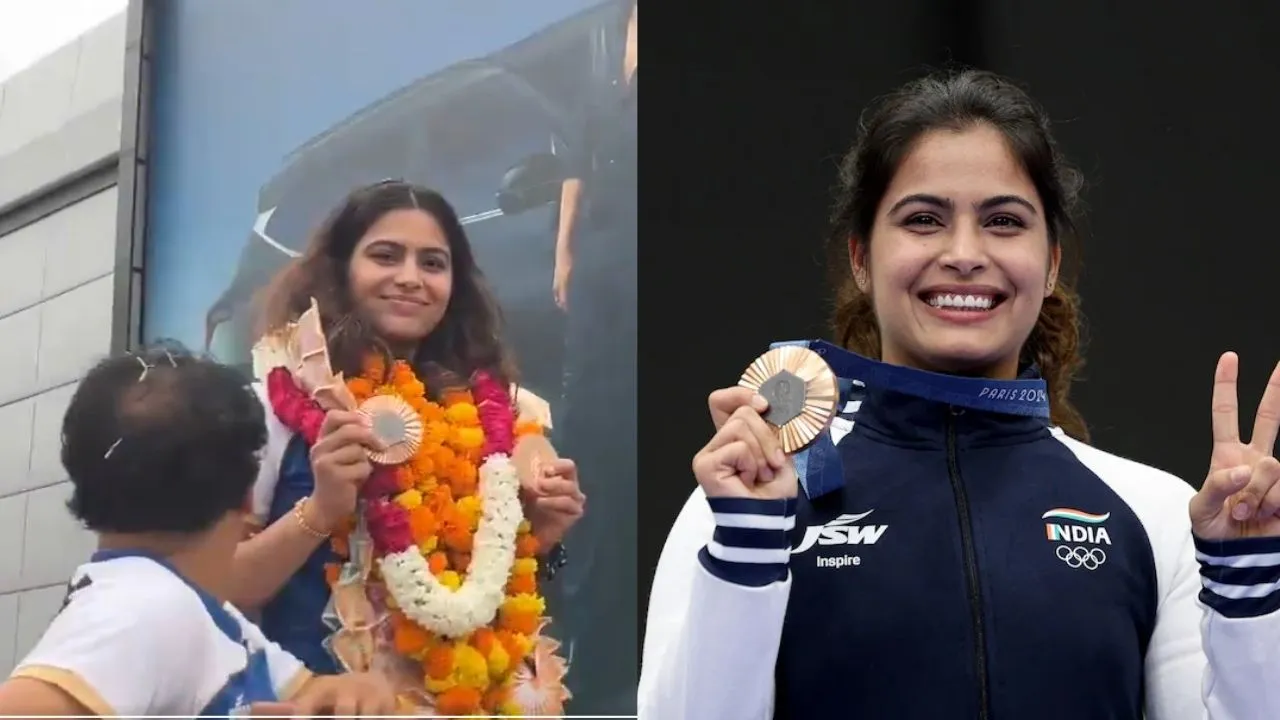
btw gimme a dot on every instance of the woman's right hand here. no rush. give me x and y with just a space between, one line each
744 458
340 463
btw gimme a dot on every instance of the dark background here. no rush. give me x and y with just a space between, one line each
1171 112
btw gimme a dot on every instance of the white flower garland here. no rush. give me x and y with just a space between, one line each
449 613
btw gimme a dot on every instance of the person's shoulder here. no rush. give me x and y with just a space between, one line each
1158 498
126 606
1149 483
131 591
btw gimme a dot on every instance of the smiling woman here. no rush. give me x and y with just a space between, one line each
921 554
388 295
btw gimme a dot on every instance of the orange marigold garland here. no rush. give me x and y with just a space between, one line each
437 493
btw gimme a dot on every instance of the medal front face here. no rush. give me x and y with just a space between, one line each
802 392
394 423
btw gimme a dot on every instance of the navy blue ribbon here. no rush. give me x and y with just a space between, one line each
819 466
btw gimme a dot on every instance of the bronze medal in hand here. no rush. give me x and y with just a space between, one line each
802 392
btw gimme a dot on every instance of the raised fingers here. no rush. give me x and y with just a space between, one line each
1225 404
1266 424
726 401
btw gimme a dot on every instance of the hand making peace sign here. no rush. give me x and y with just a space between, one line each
1241 496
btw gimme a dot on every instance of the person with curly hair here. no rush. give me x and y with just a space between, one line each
951 545
162 449
402 304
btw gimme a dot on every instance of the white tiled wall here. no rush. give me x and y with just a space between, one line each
58 117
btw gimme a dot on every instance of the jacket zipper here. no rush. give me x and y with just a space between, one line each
971 567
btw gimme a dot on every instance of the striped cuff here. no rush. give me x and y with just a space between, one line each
752 542
1240 578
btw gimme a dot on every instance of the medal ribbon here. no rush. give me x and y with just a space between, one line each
819 466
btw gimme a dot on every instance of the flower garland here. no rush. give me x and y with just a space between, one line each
450 544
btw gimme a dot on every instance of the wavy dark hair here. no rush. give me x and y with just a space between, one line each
955 99
469 336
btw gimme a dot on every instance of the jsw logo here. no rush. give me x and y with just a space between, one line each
841 531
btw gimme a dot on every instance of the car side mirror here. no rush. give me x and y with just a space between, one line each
533 182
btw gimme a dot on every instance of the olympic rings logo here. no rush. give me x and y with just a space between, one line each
1075 557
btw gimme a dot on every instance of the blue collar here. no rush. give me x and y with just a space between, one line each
223 619
1027 396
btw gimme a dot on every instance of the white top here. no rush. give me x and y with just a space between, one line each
135 639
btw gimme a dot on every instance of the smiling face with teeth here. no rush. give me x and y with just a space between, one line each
959 260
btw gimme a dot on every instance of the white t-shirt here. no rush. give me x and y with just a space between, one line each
134 638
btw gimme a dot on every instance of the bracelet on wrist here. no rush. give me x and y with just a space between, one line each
300 517
553 561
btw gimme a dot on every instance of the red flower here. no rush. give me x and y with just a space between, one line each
293 406
388 525
493 404
381 483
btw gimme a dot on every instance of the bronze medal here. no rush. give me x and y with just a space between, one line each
801 390
532 454
396 424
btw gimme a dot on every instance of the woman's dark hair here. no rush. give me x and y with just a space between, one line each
956 100
161 441
468 338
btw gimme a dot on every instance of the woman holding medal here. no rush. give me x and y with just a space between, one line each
399 461
927 534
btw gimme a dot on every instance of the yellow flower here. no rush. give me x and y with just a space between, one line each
511 708
462 414
469 508
409 499
470 668
525 603
524 527
468 437
450 579
522 643
524 566
429 545
499 660
436 687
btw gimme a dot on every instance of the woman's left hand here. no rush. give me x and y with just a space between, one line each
1241 496
553 502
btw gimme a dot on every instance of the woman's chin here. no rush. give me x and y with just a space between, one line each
965 359
399 332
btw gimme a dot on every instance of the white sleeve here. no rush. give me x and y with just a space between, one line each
1175 661
278 437
288 674
1240 628
124 654
716 610
1218 658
